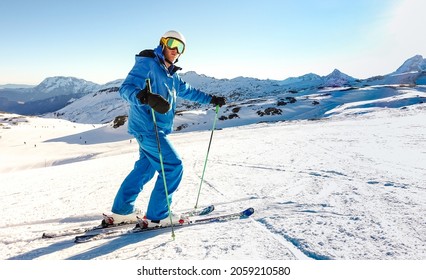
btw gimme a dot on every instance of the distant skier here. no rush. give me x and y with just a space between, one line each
158 65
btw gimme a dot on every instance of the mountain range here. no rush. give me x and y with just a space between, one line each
82 101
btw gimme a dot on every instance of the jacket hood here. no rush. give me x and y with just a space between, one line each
158 55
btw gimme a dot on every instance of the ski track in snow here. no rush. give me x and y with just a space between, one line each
343 188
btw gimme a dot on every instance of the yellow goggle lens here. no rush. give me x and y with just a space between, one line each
173 43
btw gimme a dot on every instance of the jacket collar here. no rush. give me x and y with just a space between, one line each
158 51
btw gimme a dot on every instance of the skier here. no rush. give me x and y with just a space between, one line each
159 67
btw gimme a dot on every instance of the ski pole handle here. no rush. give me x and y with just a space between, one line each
148 85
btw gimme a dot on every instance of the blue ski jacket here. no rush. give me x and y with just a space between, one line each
149 64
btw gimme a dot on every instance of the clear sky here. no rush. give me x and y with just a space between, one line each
96 40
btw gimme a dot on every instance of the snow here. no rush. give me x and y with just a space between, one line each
348 187
334 173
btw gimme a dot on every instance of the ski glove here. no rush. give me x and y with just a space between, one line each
155 101
218 100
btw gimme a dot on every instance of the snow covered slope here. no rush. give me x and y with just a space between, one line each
351 186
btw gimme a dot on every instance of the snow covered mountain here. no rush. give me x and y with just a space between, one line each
337 79
60 85
252 100
414 64
85 102
9 86
50 95
51 87
99 107
411 72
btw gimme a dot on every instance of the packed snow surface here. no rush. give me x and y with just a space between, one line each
350 186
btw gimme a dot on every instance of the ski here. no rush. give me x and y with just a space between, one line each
103 229
201 220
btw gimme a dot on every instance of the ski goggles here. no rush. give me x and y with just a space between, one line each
173 43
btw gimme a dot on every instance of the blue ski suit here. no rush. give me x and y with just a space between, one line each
167 83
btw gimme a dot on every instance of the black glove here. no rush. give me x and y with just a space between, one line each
218 100
155 101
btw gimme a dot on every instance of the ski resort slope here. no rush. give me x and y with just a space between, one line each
349 187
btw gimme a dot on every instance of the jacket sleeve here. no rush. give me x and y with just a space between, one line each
186 91
134 82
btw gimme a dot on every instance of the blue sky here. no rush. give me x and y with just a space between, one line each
275 39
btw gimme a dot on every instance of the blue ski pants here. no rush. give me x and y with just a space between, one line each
144 170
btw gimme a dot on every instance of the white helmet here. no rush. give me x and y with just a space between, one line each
174 34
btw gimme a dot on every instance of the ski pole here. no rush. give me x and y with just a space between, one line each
148 86
207 155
